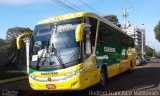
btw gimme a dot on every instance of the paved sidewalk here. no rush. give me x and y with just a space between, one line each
13 79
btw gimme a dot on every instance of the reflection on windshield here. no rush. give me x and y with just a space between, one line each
64 42
66 46
39 45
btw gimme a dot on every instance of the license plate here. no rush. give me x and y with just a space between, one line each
50 86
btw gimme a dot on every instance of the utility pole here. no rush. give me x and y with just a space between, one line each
142 44
142 35
125 15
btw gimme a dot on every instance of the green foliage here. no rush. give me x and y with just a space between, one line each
2 42
157 31
13 33
113 19
157 54
138 48
4 45
149 52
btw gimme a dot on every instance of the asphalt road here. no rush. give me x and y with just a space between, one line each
145 77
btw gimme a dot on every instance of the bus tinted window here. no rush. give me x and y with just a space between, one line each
109 34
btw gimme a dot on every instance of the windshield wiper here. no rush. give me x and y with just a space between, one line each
41 56
54 50
39 59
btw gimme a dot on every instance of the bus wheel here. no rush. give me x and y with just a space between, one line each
103 77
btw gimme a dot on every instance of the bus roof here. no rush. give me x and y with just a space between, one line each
67 16
75 15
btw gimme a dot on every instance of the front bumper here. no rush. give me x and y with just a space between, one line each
74 83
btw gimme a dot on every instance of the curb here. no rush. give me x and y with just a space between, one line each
13 79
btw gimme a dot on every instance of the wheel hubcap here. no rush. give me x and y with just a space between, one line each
102 79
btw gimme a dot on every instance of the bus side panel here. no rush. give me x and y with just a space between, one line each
118 60
92 74
110 55
113 70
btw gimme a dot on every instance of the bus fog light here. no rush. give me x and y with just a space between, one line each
74 83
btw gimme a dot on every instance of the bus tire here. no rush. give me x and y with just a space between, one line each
103 77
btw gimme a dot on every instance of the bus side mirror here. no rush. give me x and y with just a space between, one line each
20 37
79 31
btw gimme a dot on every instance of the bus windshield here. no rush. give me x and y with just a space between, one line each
65 51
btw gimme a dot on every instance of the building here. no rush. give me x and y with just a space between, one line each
136 32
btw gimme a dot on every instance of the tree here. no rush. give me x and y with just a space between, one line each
157 54
149 52
2 42
16 57
113 19
13 33
157 31
138 49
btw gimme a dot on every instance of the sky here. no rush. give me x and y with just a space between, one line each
26 13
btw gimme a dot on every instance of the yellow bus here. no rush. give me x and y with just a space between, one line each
75 51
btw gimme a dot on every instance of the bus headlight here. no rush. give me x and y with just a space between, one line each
58 78
33 77
77 72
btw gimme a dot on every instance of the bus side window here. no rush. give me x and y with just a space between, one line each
86 43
